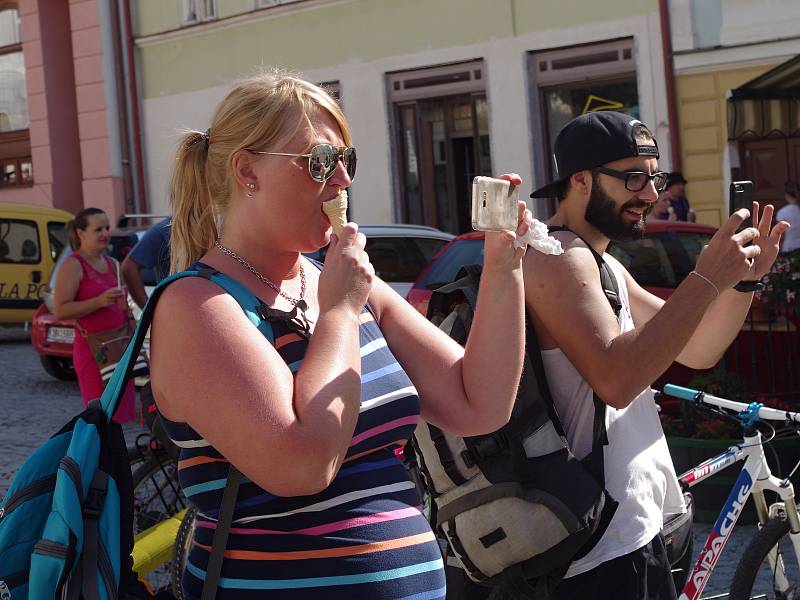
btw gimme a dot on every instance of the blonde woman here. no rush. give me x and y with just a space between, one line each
312 422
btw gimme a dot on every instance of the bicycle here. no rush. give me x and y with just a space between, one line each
776 546
159 508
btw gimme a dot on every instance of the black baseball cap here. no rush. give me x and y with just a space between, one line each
673 178
592 140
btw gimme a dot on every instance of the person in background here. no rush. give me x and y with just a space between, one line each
150 252
662 209
791 214
326 509
88 290
676 195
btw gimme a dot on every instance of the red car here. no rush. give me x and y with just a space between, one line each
658 262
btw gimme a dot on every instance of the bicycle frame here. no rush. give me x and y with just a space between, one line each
754 478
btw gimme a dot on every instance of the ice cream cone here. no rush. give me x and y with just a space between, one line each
336 210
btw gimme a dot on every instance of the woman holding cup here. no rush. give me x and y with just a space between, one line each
88 289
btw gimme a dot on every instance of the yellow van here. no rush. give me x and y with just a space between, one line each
31 238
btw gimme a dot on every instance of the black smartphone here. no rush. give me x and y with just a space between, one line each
741 195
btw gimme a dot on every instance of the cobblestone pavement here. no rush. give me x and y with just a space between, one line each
33 406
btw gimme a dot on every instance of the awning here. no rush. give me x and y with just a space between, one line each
767 106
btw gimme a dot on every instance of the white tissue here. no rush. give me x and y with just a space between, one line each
539 239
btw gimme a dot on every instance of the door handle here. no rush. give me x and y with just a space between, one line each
36 276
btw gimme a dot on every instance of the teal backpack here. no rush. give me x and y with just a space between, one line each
66 522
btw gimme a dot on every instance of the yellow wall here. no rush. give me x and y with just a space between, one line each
702 113
318 34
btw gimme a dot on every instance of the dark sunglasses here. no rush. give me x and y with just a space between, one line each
635 181
323 160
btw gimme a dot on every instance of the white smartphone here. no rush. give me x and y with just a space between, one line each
494 204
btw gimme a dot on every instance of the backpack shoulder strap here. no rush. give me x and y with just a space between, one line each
607 278
112 394
608 281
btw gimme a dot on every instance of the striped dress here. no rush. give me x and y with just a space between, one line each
362 538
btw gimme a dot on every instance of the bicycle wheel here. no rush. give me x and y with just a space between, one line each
183 543
769 566
156 497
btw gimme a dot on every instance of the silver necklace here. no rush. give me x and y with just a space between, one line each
299 304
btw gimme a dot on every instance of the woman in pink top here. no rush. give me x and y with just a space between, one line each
87 289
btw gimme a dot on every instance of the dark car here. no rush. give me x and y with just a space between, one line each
52 337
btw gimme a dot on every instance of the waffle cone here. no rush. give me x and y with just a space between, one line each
336 210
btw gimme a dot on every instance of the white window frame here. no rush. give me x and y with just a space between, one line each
259 4
198 11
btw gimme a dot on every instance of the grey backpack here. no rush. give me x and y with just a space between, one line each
515 506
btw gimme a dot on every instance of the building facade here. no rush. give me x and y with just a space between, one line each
65 130
95 94
435 92
728 131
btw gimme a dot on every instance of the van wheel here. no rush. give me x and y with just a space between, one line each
60 368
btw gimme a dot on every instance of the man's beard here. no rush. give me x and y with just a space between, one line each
602 213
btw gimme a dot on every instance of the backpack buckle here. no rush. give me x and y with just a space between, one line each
95 497
480 450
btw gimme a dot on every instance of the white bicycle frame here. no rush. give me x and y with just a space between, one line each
754 478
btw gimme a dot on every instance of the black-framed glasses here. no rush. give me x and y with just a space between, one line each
635 181
323 160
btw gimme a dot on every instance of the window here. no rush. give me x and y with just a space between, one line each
15 145
197 11
19 242
16 171
660 260
441 135
569 82
401 258
57 236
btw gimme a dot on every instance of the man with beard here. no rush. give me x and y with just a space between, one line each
607 181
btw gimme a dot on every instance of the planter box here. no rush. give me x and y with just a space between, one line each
710 495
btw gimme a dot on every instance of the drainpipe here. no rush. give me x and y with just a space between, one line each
669 76
133 107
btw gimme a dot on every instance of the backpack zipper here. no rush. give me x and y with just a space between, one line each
37 488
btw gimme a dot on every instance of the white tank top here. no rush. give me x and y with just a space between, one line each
638 468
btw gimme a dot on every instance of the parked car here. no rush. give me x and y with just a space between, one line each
399 252
52 337
31 238
658 262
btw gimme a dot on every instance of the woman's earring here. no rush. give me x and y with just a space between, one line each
251 186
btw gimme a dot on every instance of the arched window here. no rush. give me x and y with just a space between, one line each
15 161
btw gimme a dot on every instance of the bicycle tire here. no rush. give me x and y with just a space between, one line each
157 496
180 551
754 564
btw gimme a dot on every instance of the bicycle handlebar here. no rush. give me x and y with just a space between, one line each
764 412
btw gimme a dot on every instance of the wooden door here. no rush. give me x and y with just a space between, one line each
793 146
764 162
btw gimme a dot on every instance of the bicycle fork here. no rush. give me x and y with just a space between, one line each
755 477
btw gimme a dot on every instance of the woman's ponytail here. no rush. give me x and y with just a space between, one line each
194 217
